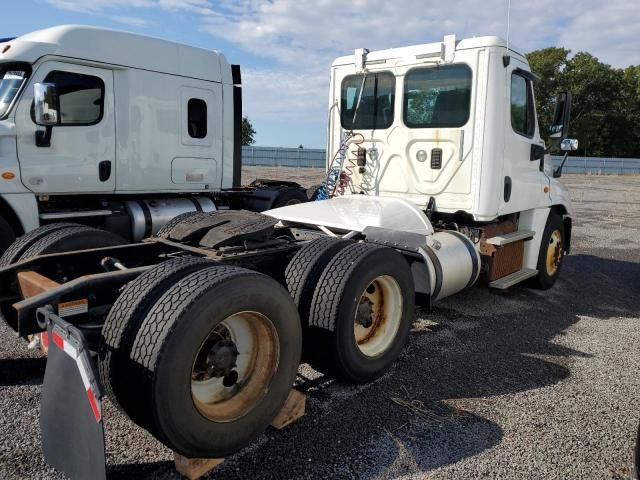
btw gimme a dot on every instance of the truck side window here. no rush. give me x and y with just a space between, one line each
81 97
376 102
522 110
437 97
197 118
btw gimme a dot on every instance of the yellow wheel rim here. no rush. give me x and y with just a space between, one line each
554 253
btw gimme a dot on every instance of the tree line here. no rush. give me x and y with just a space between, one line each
606 101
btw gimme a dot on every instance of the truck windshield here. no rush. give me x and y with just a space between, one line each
11 81
376 102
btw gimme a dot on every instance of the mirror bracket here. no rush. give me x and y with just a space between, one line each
43 137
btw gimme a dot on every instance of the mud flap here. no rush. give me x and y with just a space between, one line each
71 411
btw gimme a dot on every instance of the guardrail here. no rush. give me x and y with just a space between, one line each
315 158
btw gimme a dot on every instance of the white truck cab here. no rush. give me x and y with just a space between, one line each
451 129
125 132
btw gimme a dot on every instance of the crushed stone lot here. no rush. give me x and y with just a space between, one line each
516 384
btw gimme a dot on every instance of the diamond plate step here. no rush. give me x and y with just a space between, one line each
500 240
516 277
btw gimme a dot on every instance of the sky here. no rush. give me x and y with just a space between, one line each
285 47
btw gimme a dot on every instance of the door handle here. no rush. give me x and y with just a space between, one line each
104 170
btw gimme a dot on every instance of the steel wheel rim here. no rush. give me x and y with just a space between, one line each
554 252
382 303
258 351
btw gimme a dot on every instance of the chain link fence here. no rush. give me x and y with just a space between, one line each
316 157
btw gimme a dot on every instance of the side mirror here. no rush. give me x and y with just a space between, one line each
45 100
566 145
46 111
569 144
561 116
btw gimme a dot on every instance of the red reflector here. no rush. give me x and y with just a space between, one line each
94 405
44 339
58 340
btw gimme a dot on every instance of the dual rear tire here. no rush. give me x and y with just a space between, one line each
200 354
356 301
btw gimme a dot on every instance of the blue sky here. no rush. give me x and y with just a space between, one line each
285 47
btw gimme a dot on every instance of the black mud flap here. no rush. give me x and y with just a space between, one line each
71 411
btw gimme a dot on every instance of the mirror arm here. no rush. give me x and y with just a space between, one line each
558 171
43 137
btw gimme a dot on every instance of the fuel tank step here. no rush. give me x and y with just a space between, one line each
516 277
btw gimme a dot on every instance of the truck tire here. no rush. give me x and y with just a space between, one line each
126 315
7 235
17 248
313 191
361 312
290 196
165 230
304 270
72 238
551 252
208 325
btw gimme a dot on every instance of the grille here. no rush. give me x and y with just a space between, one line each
436 158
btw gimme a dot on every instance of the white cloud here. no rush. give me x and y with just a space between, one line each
127 20
301 38
95 6
609 31
281 93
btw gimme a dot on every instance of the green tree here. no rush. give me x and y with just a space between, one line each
248 132
549 64
606 100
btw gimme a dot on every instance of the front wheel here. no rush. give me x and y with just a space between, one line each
7 235
551 253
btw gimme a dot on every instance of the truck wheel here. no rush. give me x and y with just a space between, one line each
304 270
126 315
217 356
551 252
7 235
17 248
361 312
290 196
72 238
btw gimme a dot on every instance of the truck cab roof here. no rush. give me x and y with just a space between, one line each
117 47
428 49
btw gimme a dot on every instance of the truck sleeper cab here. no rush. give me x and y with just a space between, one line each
126 132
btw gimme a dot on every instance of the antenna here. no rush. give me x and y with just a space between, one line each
506 59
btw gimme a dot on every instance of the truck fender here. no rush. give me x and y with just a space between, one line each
534 220
20 210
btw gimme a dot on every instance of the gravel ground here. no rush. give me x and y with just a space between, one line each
522 384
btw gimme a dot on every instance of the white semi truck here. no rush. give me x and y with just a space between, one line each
437 178
129 131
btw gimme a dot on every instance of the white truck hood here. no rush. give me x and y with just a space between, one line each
356 212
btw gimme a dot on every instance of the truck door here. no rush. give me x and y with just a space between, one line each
524 181
81 157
